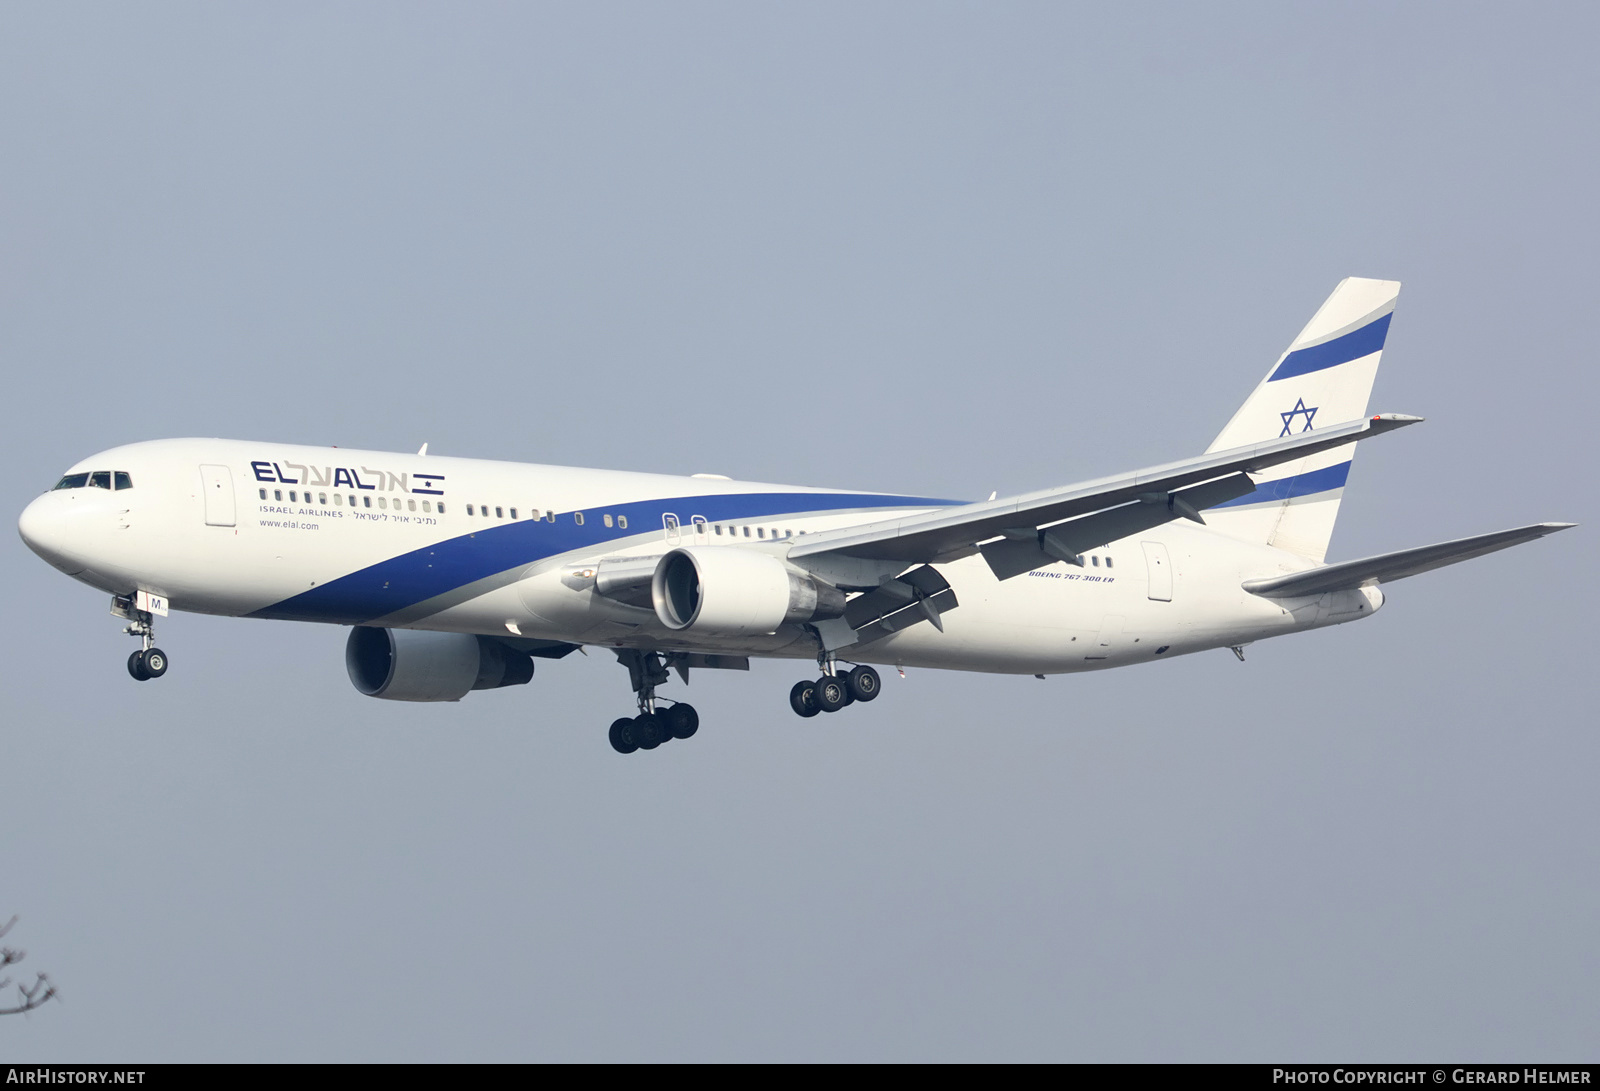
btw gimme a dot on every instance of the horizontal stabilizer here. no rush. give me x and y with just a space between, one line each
1396 566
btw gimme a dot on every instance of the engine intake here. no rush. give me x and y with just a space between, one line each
737 592
413 665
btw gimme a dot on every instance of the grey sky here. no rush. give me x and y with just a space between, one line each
927 248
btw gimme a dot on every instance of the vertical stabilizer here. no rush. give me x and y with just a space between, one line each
1324 378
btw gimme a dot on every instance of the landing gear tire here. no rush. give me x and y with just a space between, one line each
803 698
681 721
864 683
155 662
832 693
136 667
622 736
648 731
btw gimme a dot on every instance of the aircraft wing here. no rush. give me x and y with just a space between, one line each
1102 511
1396 566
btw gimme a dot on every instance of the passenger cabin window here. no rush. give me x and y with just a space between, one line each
1108 562
622 522
550 516
366 501
577 517
427 505
469 509
277 494
607 520
263 493
441 507
513 513
761 532
499 513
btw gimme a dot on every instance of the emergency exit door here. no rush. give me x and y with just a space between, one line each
1159 567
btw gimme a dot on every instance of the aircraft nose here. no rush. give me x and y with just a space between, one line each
43 527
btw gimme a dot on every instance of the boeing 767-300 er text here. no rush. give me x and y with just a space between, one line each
456 574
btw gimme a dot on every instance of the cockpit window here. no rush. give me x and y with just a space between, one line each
99 479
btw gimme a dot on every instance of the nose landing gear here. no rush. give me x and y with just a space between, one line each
147 664
149 661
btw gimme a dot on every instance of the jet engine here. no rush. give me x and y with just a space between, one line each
413 665
737 592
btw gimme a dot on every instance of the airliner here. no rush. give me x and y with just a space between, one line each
455 575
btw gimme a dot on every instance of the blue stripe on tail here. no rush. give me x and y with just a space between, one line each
1341 350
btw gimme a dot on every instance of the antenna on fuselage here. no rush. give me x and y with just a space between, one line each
423 449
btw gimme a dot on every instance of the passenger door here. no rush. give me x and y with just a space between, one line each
216 482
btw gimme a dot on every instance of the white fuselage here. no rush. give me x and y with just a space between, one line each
427 542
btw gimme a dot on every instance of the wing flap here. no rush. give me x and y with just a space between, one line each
1398 565
1069 541
949 530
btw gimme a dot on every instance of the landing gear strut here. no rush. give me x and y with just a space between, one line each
653 726
834 689
149 661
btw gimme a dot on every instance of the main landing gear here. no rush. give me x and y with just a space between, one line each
149 661
654 725
834 690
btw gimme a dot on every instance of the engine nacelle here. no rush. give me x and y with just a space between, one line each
413 665
723 591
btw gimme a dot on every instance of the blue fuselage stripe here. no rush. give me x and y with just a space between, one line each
1341 350
1287 488
411 578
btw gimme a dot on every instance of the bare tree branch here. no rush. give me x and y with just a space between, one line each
34 995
